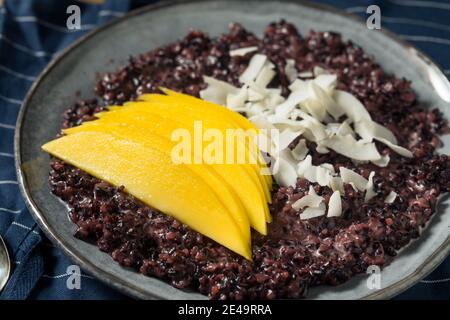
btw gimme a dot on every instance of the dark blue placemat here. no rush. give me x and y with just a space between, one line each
32 32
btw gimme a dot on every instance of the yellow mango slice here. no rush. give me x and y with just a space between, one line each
186 117
200 105
190 107
202 108
151 121
224 191
143 112
150 175
159 135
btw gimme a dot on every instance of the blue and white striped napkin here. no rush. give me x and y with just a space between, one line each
33 31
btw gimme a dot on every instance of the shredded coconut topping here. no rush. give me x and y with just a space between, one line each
242 51
313 111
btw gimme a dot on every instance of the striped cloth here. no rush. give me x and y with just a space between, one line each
33 31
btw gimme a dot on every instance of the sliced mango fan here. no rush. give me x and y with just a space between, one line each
131 146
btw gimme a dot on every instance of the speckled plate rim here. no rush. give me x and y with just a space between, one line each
112 280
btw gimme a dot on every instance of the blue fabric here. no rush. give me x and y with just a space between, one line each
31 32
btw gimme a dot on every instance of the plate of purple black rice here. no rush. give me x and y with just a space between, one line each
401 234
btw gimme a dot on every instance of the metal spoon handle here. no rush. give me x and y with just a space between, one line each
5 264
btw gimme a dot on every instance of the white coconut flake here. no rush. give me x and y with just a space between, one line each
313 212
237 100
326 81
217 91
283 110
284 171
265 76
327 166
335 205
309 200
242 51
256 64
319 70
370 193
290 70
306 74
354 109
300 151
323 176
326 102
316 128
312 173
284 123
315 108
261 122
390 198
304 115
308 135
275 91
321 148
286 137
274 99
256 93
356 180
337 184
382 162
332 128
255 109
265 143
349 147
328 118
298 85
345 129
312 191
304 166
369 130
400 150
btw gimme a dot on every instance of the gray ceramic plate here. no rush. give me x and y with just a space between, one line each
154 26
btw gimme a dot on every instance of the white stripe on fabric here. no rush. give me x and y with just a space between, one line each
417 22
8 182
103 13
423 4
426 39
7 126
11 100
436 281
24 227
55 27
9 210
5 154
39 54
356 9
17 74
55 277
59 276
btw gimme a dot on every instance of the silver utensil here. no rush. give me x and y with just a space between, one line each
5 264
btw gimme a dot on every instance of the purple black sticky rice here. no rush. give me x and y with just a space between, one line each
296 254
